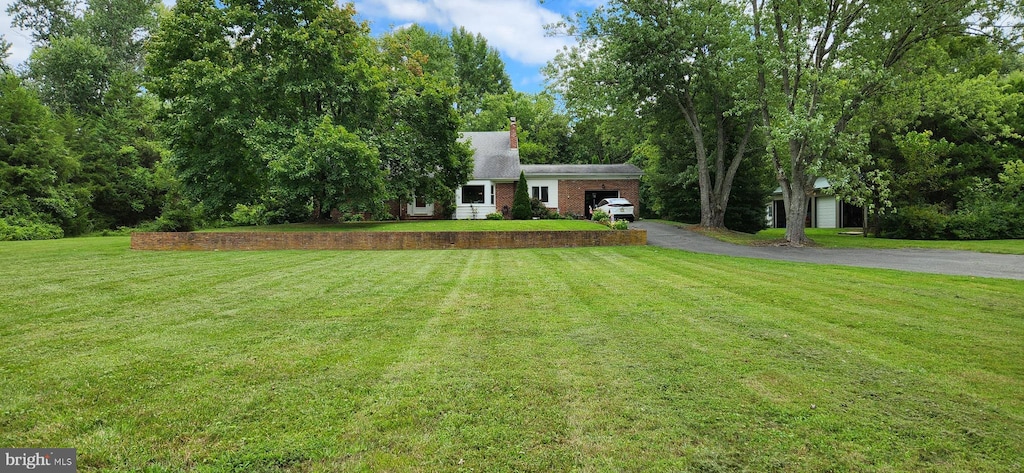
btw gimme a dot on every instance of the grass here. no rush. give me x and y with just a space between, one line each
595 359
425 226
831 238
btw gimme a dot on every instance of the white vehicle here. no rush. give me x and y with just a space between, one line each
617 208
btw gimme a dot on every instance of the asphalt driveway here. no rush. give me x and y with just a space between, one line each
961 263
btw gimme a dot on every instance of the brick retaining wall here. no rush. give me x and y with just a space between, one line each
383 240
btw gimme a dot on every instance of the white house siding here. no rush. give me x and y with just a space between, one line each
475 210
551 184
825 212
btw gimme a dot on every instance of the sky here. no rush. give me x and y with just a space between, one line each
514 27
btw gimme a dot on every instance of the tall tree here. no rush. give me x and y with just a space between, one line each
692 57
45 19
72 74
36 168
418 134
420 52
193 70
479 70
265 80
819 64
87 66
283 65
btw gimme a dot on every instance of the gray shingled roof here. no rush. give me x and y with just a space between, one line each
580 169
492 157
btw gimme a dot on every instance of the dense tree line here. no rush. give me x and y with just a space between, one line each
128 114
848 90
268 111
80 151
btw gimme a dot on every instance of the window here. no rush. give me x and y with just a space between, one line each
540 193
472 194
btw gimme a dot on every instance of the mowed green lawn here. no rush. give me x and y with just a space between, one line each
424 226
594 359
833 238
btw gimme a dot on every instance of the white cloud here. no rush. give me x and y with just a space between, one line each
514 27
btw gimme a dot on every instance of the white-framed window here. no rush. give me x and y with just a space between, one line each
474 195
540 193
492 194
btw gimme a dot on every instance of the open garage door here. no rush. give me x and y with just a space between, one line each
591 198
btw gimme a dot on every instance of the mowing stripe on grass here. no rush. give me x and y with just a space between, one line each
513 360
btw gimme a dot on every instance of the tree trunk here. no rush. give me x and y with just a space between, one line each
317 210
717 217
797 198
714 194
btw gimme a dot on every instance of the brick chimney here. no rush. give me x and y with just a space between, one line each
513 139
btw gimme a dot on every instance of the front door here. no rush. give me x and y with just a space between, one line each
420 207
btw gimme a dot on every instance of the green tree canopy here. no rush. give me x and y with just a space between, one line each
685 62
479 70
543 130
257 77
819 66
36 168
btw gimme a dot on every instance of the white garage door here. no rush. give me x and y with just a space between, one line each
826 212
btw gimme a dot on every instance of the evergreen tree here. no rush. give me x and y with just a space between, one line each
521 209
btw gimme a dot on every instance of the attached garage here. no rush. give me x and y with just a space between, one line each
581 186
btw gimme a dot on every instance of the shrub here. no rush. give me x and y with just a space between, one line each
605 221
250 215
495 216
599 215
14 228
987 221
538 209
176 218
986 211
916 222
620 225
119 231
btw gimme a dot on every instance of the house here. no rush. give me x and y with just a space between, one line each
823 210
565 188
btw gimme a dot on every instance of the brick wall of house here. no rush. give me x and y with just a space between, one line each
504 195
383 240
571 193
